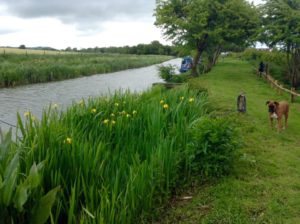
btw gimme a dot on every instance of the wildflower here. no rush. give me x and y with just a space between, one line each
123 112
33 118
166 106
27 114
81 102
116 104
128 115
112 115
113 122
162 102
134 112
93 110
68 140
106 121
55 106
182 98
192 99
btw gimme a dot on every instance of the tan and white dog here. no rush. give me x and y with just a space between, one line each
276 111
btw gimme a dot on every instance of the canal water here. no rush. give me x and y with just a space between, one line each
35 98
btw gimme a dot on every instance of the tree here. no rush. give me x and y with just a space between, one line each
281 28
22 46
205 24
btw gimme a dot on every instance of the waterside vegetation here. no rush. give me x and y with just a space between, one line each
113 160
18 69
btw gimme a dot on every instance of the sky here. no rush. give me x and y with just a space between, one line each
77 23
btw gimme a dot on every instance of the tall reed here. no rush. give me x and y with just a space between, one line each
116 159
18 69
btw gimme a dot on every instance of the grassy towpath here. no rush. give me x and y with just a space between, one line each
264 186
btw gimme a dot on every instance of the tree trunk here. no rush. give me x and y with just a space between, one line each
195 63
213 59
216 55
294 65
201 44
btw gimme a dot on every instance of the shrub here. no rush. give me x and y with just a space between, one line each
168 74
213 146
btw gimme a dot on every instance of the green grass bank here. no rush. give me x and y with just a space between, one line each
111 160
17 69
264 185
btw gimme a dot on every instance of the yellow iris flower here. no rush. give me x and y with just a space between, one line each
166 106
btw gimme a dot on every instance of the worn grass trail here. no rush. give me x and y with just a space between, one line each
264 187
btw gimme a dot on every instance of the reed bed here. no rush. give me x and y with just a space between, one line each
116 159
17 69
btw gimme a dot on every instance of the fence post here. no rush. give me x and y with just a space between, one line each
267 68
280 90
292 95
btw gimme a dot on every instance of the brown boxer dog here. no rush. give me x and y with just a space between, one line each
276 111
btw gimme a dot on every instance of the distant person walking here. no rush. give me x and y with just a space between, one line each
261 68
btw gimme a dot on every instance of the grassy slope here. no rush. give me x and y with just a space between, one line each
265 185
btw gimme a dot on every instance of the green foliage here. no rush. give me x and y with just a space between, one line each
281 22
42 210
168 73
214 146
276 60
207 25
154 48
19 192
116 159
20 69
263 187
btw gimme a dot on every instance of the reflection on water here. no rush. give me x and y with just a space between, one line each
38 96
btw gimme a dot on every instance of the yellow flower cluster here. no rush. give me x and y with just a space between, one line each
106 122
68 141
191 99
93 111
81 103
28 115
54 106
121 113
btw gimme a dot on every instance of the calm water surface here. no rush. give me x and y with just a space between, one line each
36 97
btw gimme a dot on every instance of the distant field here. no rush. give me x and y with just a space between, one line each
6 50
20 68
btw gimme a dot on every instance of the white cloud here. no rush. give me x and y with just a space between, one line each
52 32
77 23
